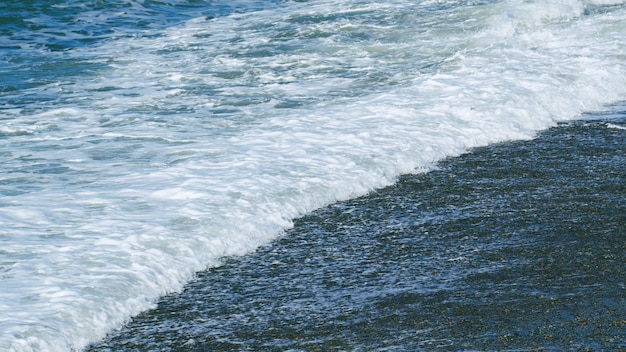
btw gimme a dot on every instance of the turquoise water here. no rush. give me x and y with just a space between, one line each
144 142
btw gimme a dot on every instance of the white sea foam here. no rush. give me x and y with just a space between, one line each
611 125
206 139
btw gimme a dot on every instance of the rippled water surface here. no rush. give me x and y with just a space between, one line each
517 246
143 142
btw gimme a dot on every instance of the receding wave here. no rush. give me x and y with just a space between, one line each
140 159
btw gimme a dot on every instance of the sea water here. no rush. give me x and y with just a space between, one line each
517 246
144 141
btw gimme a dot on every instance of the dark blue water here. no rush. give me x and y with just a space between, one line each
229 160
35 34
518 246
